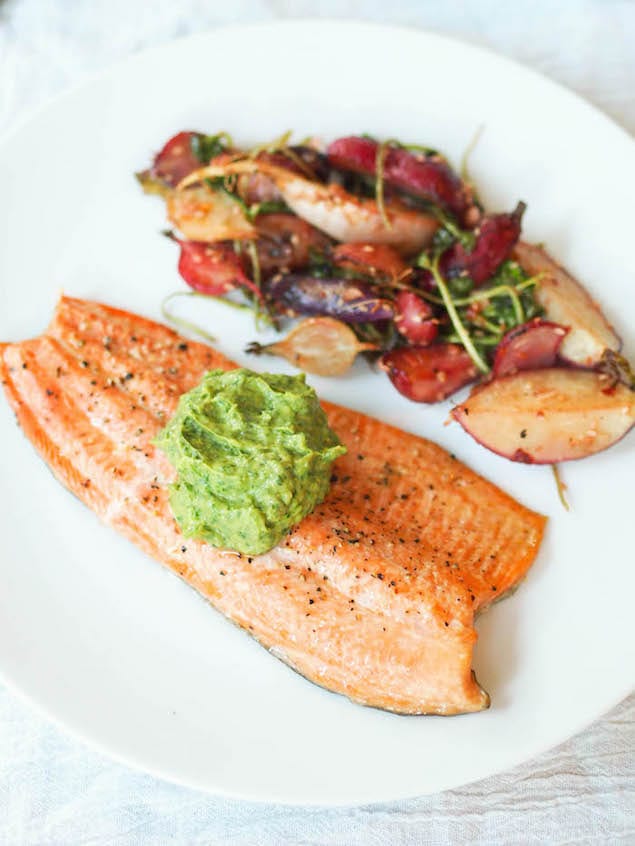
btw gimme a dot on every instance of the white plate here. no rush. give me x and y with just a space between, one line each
118 650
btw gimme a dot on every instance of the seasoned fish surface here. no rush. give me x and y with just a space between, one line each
373 595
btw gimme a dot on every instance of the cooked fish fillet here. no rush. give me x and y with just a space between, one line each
373 595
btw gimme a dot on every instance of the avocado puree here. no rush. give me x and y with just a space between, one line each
253 453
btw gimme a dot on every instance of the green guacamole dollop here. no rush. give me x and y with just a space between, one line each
253 453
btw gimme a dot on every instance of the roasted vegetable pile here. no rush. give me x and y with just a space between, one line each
382 248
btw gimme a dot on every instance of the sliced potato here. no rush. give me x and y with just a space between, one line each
548 416
202 214
565 301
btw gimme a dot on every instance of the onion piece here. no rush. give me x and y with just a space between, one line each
320 345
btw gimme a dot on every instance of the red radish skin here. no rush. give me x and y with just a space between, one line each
414 319
547 416
212 269
428 177
429 374
176 159
532 346
496 236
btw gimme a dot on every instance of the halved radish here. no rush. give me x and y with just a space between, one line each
428 374
531 346
176 159
414 319
565 301
548 416
212 269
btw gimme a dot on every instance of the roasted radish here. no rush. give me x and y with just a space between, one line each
177 158
414 319
212 269
532 346
426 176
548 416
496 236
429 374
565 301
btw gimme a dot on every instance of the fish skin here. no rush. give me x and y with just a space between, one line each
373 595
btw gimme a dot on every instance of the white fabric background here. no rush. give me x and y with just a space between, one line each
55 791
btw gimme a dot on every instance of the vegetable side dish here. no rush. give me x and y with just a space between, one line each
382 248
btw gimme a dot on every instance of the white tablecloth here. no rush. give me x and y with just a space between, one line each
55 791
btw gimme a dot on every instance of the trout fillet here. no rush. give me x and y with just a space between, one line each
373 595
